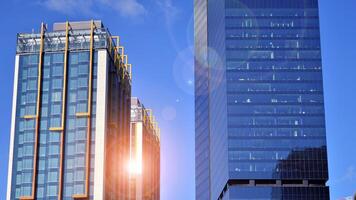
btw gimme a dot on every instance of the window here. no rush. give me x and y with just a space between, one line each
22 125
23 99
33 59
71 124
71 110
44 98
81 122
46 72
55 109
54 137
70 163
83 57
68 191
80 161
26 191
56 96
28 137
73 97
73 58
30 124
82 95
23 87
32 84
19 152
55 122
24 74
26 178
57 71
42 164
73 71
73 84
40 178
28 150
45 86
47 60
52 176
69 177
53 150
44 111
57 84
80 135
31 97
79 175
27 164
32 72
82 82
70 136
82 107
53 163
78 188
83 69
43 124
21 139
52 190
18 178
40 192
80 148
57 58
30 110
42 151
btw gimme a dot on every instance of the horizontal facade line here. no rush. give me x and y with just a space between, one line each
276 126
276 137
269 59
274 81
273 49
277 161
279 103
269 28
274 92
273 70
273 148
271 17
272 38
276 115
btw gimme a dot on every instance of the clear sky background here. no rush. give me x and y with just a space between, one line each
158 37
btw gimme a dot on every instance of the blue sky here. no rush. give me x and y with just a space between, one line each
158 37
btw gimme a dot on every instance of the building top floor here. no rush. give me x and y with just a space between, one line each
141 114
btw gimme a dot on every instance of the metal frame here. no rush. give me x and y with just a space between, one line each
37 116
64 102
88 115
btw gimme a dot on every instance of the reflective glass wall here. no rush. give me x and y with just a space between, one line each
50 119
55 114
275 117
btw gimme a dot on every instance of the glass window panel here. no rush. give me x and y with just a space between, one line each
56 96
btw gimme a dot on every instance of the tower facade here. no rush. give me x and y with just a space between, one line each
71 115
144 153
259 104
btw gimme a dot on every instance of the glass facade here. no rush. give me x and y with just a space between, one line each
56 113
144 154
76 127
275 119
24 137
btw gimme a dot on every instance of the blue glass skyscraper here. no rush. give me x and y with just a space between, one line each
259 104
71 115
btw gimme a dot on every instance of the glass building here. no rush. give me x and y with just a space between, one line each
259 105
71 115
144 153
